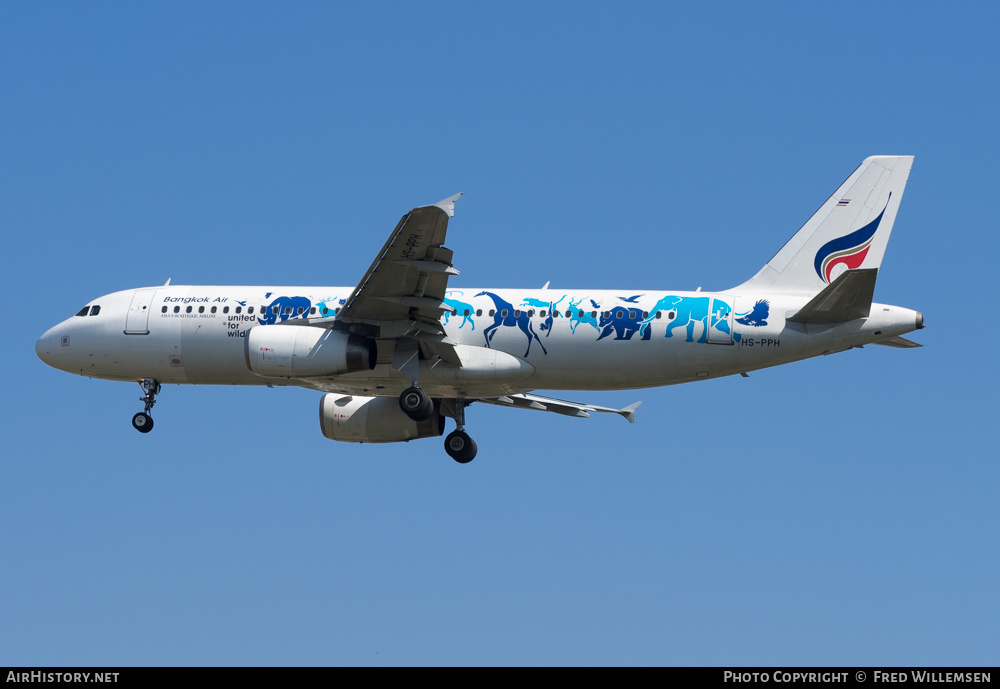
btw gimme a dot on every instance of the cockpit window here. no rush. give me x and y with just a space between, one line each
94 310
83 311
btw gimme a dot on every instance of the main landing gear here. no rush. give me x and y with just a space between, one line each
142 421
458 444
416 404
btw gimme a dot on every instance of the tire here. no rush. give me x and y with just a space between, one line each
142 422
460 447
416 404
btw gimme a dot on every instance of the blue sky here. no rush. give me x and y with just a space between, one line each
836 511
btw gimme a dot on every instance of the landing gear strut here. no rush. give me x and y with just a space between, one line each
142 421
458 444
416 404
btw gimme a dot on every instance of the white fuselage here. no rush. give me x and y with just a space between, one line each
509 340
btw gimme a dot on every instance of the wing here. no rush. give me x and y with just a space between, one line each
401 296
539 403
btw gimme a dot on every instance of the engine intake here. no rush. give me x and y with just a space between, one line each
301 351
354 419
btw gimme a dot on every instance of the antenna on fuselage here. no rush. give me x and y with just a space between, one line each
167 283
546 285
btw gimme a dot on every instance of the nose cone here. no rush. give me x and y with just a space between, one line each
48 345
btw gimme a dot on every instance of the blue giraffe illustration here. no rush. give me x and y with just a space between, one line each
510 321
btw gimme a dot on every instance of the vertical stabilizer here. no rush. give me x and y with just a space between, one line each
849 231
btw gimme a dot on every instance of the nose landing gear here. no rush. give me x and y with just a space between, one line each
142 421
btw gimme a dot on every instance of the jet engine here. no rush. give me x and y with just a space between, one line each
300 351
355 419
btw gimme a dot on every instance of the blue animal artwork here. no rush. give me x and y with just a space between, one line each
689 312
575 318
624 322
283 308
330 305
756 317
551 307
460 308
504 316
634 299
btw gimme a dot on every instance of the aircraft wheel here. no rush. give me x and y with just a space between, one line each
142 422
460 447
416 404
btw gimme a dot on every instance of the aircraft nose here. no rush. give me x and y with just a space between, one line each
47 346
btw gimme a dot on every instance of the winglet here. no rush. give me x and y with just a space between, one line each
629 412
448 204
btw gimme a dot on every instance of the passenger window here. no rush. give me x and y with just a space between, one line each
607 314
542 313
163 310
659 314
201 309
187 310
619 314
579 315
531 313
214 309
83 311
593 314
479 312
645 314
465 313
312 311
672 315
274 310
503 313
239 309
249 309
492 312
631 314
94 310
177 309
325 310
225 309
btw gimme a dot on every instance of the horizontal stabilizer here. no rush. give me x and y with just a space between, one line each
900 342
846 298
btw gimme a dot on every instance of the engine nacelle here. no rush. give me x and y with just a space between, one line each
355 419
299 351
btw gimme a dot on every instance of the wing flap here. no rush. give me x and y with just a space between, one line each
564 407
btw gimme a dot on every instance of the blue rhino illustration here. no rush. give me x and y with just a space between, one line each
510 321
624 322
756 317
460 307
268 317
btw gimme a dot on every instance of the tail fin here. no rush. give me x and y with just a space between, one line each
849 231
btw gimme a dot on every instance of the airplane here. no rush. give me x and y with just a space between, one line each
403 350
